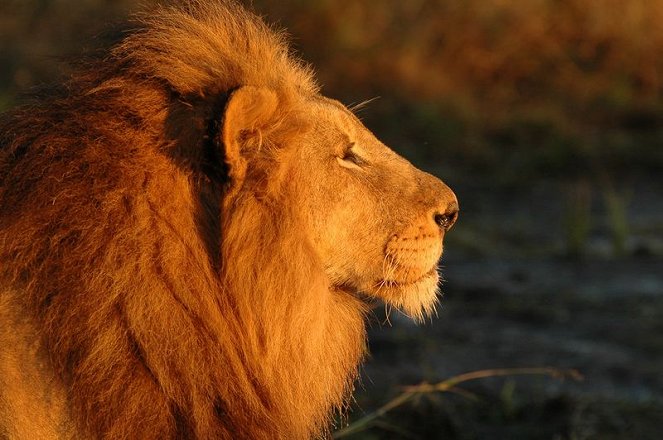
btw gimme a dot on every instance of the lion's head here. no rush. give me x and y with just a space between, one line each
190 231
375 222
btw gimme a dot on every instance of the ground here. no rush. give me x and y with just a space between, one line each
522 302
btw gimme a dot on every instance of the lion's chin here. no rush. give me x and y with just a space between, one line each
416 299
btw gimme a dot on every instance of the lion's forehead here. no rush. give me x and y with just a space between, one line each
334 113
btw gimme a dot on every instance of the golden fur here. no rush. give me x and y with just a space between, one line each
182 233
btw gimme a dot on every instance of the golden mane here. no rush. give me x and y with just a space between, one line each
167 313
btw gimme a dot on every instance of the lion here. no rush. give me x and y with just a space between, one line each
191 236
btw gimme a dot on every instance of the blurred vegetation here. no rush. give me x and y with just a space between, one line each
538 86
529 87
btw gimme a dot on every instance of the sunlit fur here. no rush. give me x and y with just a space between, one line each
153 288
102 208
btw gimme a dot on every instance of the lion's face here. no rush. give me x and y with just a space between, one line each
376 222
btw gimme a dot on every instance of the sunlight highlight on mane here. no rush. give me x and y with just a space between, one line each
108 230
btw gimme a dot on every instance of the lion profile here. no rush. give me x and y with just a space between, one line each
188 235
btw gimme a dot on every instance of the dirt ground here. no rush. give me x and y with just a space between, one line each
512 298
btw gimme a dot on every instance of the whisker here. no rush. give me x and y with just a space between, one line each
354 108
387 312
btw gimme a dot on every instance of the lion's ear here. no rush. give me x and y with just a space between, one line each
248 115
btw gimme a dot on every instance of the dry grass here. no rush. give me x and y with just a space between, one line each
547 85
500 51
448 386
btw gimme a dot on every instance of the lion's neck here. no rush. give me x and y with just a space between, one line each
303 341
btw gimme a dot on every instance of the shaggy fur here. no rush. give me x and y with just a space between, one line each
183 230
109 228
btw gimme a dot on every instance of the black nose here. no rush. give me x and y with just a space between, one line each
446 220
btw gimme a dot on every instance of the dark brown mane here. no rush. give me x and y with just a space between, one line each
166 313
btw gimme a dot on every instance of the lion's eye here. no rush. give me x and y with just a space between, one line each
350 156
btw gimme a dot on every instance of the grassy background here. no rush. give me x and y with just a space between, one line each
547 83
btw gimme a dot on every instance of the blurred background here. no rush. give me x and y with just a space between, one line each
546 118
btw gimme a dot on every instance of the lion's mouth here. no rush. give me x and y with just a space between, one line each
368 294
402 284
414 297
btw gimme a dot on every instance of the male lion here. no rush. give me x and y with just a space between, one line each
184 234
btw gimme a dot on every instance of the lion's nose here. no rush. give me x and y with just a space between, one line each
446 220
442 204
447 213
